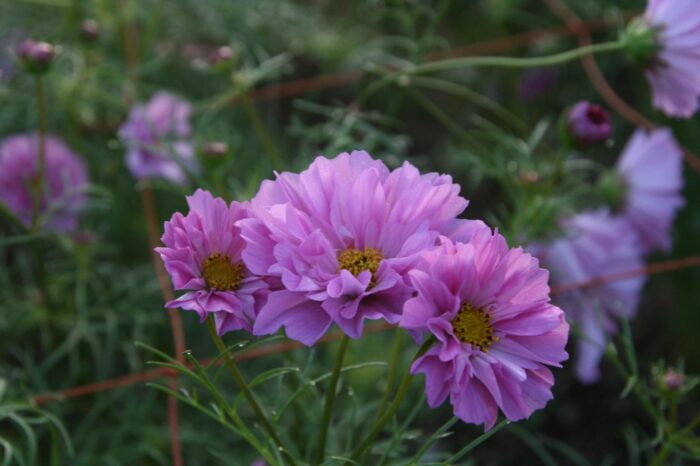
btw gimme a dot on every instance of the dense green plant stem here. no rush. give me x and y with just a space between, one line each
330 398
263 134
247 393
393 407
506 62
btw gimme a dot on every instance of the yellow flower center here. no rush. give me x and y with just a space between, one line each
356 261
473 326
220 274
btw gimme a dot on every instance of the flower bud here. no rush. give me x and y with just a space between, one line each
672 380
36 56
215 149
587 124
611 189
90 30
641 41
222 54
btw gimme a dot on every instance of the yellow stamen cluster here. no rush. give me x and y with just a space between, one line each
356 261
220 274
473 326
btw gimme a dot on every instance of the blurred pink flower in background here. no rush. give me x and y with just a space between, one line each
63 188
158 139
674 70
595 244
651 171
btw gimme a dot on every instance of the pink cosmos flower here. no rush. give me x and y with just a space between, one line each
674 74
202 254
496 332
158 139
341 236
651 169
596 244
64 184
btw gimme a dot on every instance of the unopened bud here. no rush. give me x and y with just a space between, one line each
36 56
215 149
587 123
90 30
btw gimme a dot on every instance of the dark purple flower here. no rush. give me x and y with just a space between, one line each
64 184
587 123
157 136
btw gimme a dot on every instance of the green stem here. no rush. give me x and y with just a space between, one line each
243 386
476 442
508 62
471 96
41 160
439 115
330 398
264 136
393 407
391 375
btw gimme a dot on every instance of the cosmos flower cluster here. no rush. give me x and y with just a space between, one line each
644 193
348 240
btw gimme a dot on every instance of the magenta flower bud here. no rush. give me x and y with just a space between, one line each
215 149
221 55
36 56
90 30
587 123
673 380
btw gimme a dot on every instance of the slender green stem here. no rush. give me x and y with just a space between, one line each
37 247
471 96
330 398
391 375
41 159
476 442
509 62
439 115
393 407
263 134
243 386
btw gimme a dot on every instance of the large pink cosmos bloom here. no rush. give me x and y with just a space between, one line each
64 183
496 332
596 244
651 169
202 254
674 74
158 138
341 236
